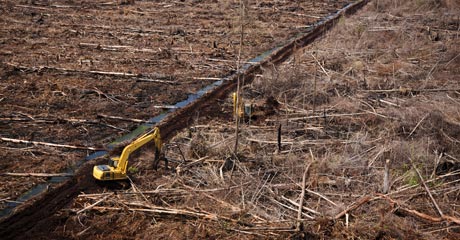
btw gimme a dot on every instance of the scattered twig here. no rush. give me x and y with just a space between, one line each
117 47
418 124
291 208
405 188
320 116
322 196
354 206
108 96
302 196
84 230
320 65
246 232
94 204
183 167
371 162
388 102
9 201
303 142
284 185
427 189
409 90
303 207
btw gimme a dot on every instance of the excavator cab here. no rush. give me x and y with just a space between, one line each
117 166
109 171
102 172
113 163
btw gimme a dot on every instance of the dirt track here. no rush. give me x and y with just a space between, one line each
26 219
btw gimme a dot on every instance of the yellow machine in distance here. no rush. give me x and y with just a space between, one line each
116 169
240 108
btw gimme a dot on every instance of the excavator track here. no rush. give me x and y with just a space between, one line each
31 220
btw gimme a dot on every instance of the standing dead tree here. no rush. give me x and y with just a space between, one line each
238 93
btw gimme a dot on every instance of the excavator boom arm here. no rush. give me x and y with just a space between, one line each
118 170
136 144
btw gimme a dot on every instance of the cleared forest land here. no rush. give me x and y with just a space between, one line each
82 73
369 118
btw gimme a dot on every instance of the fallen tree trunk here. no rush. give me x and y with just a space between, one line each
134 76
37 174
58 120
427 217
121 118
49 144
423 216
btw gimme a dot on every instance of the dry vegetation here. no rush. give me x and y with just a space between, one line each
370 125
370 144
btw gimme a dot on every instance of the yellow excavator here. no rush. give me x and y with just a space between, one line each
116 169
241 109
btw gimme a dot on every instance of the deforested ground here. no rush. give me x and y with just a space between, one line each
370 124
370 146
83 73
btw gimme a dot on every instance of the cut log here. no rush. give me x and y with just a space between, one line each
207 78
134 76
320 116
165 107
58 120
121 118
117 47
49 144
37 174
